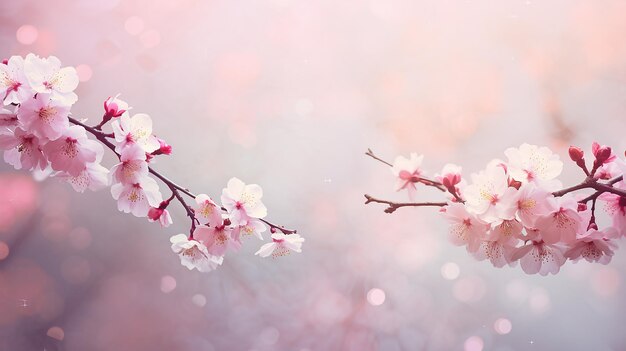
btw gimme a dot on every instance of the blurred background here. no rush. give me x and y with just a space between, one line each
289 94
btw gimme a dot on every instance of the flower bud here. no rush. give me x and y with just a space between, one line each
155 213
5 61
603 154
164 148
576 154
582 207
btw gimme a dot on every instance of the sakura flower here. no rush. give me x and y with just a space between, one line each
93 177
207 211
489 195
137 198
281 245
408 172
160 214
7 118
615 206
44 117
465 229
533 164
243 201
113 108
217 239
531 202
539 257
135 130
14 87
562 223
594 246
45 75
193 254
507 231
252 227
132 166
450 175
72 151
23 150
497 252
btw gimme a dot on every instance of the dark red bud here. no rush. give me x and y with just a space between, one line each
603 154
5 62
576 154
582 207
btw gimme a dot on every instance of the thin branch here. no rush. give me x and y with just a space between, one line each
174 188
393 206
590 183
423 180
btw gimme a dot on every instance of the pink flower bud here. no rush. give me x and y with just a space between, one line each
603 154
164 148
155 213
5 62
582 207
576 153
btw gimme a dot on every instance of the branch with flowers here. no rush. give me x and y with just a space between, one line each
38 133
517 210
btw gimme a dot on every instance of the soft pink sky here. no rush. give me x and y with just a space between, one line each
289 94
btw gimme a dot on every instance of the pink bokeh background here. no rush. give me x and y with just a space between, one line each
289 94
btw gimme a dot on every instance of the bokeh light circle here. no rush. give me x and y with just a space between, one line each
27 34
376 297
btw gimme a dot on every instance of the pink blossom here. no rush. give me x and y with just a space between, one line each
194 254
497 252
594 246
72 151
137 198
539 257
160 214
113 108
135 130
489 195
23 150
281 245
243 201
45 75
93 177
14 87
465 229
252 227
44 117
132 166
531 202
217 239
533 164
408 172
450 175
562 223
508 231
207 210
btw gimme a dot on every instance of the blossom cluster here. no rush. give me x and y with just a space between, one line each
38 134
516 210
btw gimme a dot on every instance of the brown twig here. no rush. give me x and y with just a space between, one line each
393 206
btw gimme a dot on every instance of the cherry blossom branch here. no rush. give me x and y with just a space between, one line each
176 189
393 206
